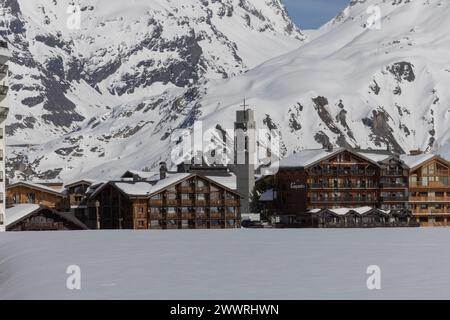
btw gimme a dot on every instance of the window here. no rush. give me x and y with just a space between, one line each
141 223
31 197
16 198
1 219
171 210
201 196
1 197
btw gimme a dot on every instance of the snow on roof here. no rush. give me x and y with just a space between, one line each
267 196
375 157
414 161
135 188
75 182
171 179
19 212
344 211
149 175
39 186
306 157
226 181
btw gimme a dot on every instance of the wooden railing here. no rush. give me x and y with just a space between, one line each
429 199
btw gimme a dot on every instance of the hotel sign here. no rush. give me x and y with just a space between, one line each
297 185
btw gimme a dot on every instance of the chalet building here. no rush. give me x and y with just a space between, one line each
166 201
429 189
364 217
37 193
340 178
34 217
4 109
77 198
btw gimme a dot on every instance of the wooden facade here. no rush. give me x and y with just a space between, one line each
195 202
373 218
23 192
343 178
46 219
429 192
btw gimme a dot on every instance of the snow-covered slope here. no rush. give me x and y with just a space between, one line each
123 55
226 264
351 84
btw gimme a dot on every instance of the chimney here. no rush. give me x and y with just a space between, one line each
162 170
415 152
330 147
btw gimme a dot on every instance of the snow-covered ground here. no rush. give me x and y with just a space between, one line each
236 264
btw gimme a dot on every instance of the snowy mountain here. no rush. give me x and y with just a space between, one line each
130 66
359 81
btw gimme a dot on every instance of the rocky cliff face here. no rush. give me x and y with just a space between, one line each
95 102
142 62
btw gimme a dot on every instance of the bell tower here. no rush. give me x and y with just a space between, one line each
245 154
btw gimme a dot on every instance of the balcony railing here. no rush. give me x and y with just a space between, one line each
351 172
216 202
341 186
393 185
429 199
433 184
394 198
215 215
231 203
394 173
156 203
343 200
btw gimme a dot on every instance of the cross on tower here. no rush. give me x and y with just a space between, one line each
245 105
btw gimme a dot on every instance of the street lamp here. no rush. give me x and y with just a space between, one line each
97 206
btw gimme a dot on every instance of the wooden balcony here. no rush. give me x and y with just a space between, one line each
343 172
172 202
430 185
343 201
388 185
442 211
187 190
156 216
201 203
216 202
215 215
187 216
394 199
187 203
201 216
429 199
172 216
231 203
229 215
156 203
341 186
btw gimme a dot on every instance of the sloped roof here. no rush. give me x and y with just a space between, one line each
309 157
36 186
414 161
345 211
229 181
19 212
145 175
267 196
22 211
